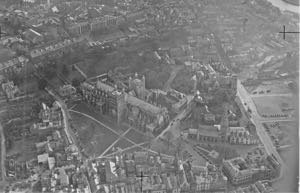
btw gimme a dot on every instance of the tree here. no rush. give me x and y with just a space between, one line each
42 84
169 136
65 70
149 138
179 145
75 82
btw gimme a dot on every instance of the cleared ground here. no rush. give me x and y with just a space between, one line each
267 105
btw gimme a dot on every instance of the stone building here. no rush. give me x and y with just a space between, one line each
13 65
240 171
10 89
211 134
123 106
239 135
137 86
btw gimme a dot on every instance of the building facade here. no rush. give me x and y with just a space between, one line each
239 135
123 106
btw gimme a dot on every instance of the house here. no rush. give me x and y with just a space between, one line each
13 65
43 158
239 135
67 90
141 157
33 36
10 89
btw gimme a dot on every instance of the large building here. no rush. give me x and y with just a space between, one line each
53 50
126 104
14 65
10 89
204 134
208 178
239 171
239 135
80 28
106 99
105 22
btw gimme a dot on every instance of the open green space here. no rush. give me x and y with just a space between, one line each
23 149
94 138
136 136
122 144
88 110
267 105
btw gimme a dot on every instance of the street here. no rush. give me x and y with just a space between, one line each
245 98
3 154
257 121
66 117
173 125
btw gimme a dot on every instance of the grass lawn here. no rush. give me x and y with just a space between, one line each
122 144
25 148
290 156
5 54
136 137
84 108
94 138
272 105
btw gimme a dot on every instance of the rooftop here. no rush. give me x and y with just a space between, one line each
207 131
143 105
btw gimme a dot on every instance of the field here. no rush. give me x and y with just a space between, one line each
290 156
275 88
24 149
94 137
5 54
99 134
136 137
267 105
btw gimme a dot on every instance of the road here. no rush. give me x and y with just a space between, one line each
245 97
121 136
173 125
3 153
257 121
66 116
